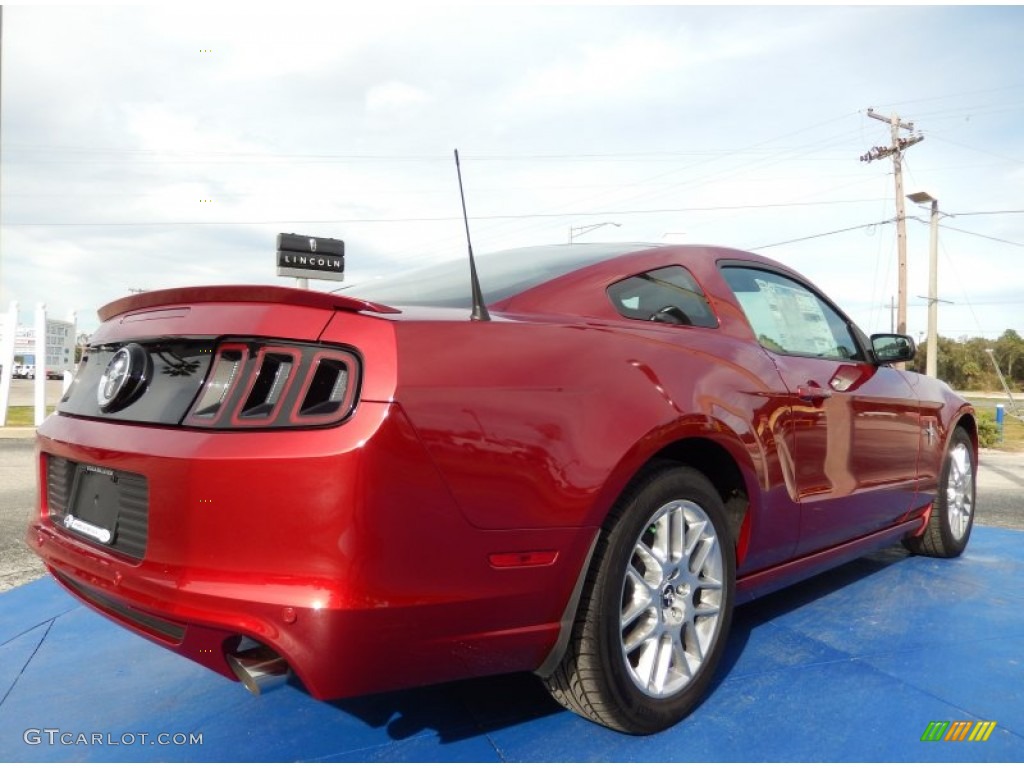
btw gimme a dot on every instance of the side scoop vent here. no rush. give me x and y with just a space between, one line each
254 383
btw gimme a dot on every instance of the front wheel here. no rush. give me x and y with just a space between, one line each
952 518
656 607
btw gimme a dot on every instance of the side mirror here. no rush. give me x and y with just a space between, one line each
892 348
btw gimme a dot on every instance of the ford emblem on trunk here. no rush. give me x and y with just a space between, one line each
125 377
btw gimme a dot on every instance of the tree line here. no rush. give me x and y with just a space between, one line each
965 364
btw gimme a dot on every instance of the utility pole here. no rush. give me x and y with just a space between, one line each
933 282
895 150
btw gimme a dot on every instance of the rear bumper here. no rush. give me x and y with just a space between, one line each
340 548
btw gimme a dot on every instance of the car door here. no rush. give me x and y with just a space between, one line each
855 430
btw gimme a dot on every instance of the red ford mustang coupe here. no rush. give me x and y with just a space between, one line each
380 492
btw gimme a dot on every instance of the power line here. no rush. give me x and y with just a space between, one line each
968 112
823 234
933 135
201 156
508 229
987 237
963 290
755 148
968 232
421 219
955 95
981 303
716 176
987 213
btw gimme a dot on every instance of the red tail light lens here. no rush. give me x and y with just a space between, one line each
269 382
259 383
227 364
327 391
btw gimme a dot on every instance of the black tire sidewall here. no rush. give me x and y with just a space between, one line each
950 543
649 714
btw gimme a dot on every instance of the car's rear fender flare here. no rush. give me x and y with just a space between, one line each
714 451
737 470
964 418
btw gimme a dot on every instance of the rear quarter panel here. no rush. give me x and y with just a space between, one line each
539 423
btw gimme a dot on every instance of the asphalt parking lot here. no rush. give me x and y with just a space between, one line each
23 391
17 500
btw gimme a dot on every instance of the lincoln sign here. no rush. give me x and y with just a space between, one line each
322 258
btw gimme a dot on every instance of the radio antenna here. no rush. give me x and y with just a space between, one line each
479 308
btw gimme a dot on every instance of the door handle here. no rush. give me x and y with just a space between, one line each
811 392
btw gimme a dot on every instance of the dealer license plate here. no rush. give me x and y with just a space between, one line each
95 500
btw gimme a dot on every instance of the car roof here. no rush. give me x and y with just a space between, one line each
502 274
508 274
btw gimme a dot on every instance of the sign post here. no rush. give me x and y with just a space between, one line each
40 380
10 327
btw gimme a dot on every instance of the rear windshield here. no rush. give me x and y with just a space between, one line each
502 274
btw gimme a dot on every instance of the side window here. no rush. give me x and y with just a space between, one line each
788 317
665 295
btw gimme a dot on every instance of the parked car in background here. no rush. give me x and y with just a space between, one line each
376 491
24 371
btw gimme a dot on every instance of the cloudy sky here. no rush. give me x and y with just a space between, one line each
153 146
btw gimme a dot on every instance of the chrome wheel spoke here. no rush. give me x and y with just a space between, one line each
653 566
706 610
639 600
646 660
693 646
641 633
706 582
662 664
683 663
700 557
671 598
694 535
959 490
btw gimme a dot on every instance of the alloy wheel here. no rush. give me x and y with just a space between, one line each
672 595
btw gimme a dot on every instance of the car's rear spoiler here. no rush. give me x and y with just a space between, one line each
257 294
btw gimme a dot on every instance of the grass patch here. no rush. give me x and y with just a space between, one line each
24 415
1013 429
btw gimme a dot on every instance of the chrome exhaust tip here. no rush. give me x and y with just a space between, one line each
259 669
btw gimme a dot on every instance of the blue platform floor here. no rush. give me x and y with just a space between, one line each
852 666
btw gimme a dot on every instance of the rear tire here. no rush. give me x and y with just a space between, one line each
952 518
656 606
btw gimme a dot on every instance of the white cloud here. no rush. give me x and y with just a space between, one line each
394 98
346 113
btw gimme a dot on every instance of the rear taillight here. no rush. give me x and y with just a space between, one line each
224 375
327 391
270 380
255 383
